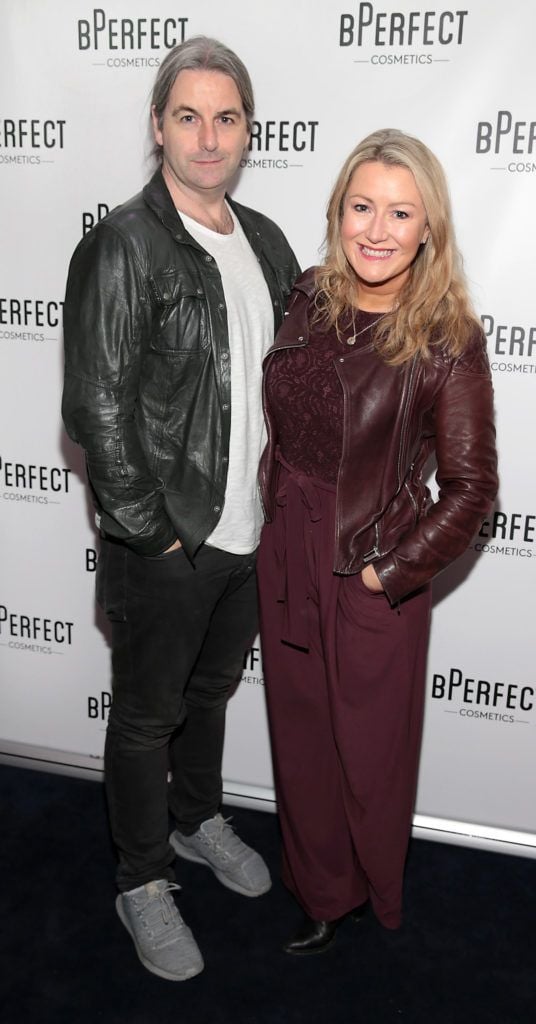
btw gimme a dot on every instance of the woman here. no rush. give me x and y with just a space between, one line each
379 363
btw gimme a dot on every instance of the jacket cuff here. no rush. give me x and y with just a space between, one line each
155 545
389 576
160 539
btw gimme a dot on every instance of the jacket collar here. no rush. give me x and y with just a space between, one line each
157 196
294 330
306 282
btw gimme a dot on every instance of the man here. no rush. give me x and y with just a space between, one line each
171 302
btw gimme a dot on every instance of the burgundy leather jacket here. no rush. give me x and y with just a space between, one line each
384 511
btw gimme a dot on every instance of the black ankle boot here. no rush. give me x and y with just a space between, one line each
358 912
312 937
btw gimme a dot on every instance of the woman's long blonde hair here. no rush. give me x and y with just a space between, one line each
433 306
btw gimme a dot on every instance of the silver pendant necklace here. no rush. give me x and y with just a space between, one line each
353 338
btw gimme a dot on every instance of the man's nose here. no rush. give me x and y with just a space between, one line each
208 137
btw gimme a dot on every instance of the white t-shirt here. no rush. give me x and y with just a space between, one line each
250 321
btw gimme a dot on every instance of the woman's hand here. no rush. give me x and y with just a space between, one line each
371 580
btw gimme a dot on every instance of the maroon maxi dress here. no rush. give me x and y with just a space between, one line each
344 671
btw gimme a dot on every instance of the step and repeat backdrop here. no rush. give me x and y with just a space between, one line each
74 142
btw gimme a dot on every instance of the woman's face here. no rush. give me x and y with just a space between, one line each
383 225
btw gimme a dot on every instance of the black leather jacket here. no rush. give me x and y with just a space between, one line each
147 371
384 510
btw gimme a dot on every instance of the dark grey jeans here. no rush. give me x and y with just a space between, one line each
179 634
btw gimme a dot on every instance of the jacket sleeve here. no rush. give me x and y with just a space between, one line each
283 257
466 477
280 257
107 323
294 270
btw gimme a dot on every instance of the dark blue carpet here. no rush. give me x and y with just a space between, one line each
466 953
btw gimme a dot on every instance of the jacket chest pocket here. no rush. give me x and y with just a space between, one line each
180 322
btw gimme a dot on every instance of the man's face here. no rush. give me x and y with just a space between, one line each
203 133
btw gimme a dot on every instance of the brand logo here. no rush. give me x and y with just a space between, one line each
34 633
89 219
513 344
91 560
275 139
36 137
415 31
252 667
98 706
41 485
103 34
506 138
484 699
22 317
507 533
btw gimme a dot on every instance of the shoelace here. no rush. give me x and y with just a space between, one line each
166 904
224 828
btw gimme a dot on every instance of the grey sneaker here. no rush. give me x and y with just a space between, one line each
235 865
164 944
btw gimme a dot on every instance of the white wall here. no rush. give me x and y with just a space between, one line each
75 82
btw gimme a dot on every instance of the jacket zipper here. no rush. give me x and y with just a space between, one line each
412 500
375 551
405 421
